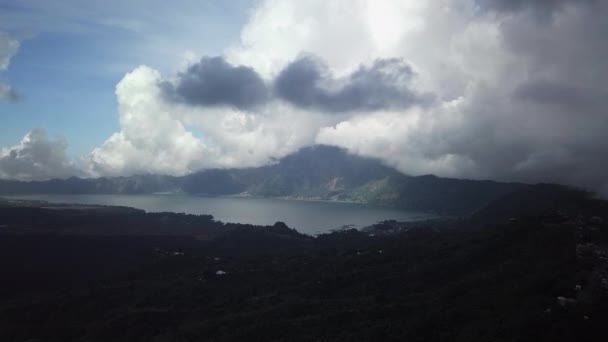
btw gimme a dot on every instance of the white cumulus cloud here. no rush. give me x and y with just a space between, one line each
36 157
150 140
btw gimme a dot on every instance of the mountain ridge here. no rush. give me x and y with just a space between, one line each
319 172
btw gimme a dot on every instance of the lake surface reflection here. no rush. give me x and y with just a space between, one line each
308 217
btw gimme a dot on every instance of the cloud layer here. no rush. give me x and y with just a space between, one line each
541 6
308 83
214 82
36 157
506 90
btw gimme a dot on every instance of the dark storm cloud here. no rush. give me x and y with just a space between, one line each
540 115
307 83
546 6
214 82
561 94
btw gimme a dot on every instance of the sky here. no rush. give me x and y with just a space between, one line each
509 90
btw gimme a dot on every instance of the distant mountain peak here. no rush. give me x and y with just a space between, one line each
318 172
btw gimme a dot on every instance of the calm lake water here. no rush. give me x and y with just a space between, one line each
305 216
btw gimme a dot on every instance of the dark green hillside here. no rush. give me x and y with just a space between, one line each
540 199
462 197
174 277
143 184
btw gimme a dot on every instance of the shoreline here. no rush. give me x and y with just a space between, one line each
296 198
